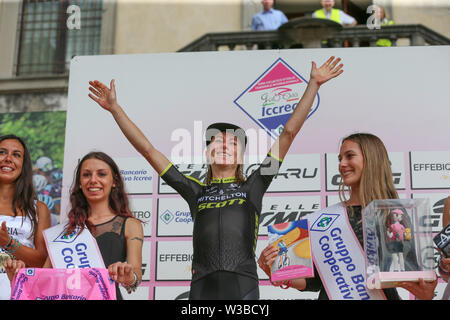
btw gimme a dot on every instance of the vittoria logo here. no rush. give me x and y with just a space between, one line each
273 96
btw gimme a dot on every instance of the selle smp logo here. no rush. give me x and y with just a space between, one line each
324 222
66 237
273 96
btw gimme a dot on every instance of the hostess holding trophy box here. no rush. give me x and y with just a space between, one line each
398 242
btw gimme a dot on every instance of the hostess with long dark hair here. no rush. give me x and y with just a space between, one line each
117 200
22 216
99 203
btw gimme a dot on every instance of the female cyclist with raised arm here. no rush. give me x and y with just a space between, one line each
226 207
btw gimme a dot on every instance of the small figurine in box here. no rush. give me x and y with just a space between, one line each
397 232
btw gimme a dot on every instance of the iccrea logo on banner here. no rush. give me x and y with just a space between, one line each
271 99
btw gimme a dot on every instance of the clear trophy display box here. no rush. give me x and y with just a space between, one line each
398 242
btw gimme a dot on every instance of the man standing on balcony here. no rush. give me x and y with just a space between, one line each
336 15
269 18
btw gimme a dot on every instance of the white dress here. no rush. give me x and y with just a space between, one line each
20 229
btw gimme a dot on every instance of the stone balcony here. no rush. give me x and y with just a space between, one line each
311 32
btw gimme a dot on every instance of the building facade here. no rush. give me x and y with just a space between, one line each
39 38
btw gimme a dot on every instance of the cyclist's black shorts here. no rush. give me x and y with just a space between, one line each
224 285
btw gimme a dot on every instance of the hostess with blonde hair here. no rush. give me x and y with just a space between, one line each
336 231
376 180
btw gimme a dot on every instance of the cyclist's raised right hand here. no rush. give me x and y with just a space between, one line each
104 96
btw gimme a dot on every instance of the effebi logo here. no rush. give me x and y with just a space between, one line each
66 237
324 222
273 96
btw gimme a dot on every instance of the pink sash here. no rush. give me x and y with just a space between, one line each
63 284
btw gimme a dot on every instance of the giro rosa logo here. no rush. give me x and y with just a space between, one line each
272 98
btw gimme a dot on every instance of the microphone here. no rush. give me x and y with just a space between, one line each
442 241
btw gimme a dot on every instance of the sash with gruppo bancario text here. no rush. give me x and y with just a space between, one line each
74 250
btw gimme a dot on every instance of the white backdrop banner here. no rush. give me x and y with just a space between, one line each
399 94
